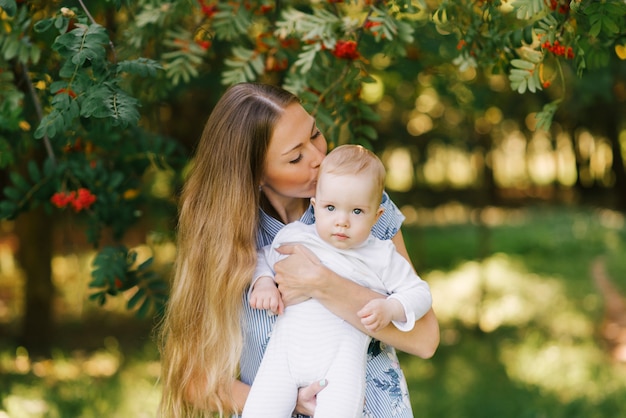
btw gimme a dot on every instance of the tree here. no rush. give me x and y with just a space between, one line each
81 88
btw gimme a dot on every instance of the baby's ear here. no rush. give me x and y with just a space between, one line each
379 212
313 202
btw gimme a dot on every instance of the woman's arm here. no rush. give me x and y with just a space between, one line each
307 396
301 276
196 394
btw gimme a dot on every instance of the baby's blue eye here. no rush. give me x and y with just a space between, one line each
330 208
357 211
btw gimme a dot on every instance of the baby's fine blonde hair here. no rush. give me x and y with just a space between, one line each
354 160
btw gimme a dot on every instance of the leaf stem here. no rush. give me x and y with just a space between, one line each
39 111
93 21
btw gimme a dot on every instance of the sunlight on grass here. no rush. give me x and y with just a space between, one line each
498 293
557 352
103 383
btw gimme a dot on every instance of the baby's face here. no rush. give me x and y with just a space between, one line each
346 208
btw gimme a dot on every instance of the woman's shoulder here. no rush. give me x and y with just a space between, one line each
390 221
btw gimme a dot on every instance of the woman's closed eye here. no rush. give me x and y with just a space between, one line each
296 160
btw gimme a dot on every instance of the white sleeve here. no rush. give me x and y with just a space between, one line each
263 265
404 285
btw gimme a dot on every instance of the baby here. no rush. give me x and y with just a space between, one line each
310 343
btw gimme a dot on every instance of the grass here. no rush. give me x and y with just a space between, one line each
520 316
519 313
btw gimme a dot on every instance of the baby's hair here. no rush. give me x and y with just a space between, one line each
354 160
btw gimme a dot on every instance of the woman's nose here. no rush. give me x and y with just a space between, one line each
318 157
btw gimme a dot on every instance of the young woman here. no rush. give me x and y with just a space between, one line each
254 171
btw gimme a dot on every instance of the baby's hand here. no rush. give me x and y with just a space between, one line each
376 314
265 295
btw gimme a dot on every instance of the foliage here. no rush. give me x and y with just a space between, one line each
531 39
79 86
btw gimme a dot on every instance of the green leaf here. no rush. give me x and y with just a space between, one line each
6 153
84 43
19 182
611 28
9 6
307 56
144 308
230 22
146 264
110 263
98 297
33 171
367 131
116 179
13 193
141 66
43 25
528 8
595 28
544 118
10 48
8 209
245 65
136 298
523 64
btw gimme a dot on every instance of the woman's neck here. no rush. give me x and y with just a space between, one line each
285 210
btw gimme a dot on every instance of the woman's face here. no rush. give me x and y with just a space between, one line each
294 154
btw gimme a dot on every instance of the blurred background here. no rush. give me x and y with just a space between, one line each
520 233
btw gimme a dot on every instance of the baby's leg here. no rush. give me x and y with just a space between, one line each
345 394
273 393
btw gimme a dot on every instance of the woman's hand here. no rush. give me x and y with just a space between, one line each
299 275
307 398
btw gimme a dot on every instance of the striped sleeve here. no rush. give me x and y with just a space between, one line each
390 221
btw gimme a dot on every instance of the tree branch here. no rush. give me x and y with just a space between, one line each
93 21
39 111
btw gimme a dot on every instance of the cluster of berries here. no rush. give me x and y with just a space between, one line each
346 50
557 49
207 9
78 199
561 7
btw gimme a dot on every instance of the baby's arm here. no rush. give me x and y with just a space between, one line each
378 313
403 285
265 295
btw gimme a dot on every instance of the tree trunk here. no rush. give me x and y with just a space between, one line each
613 130
34 230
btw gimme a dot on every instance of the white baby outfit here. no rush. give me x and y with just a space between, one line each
310 343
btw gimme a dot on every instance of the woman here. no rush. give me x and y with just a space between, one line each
254 172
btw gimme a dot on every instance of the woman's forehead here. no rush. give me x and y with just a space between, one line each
292 129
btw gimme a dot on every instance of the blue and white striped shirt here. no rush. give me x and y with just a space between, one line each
386 393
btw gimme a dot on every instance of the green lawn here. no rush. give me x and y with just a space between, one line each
520 316
520 324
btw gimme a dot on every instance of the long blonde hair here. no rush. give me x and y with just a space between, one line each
200 333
